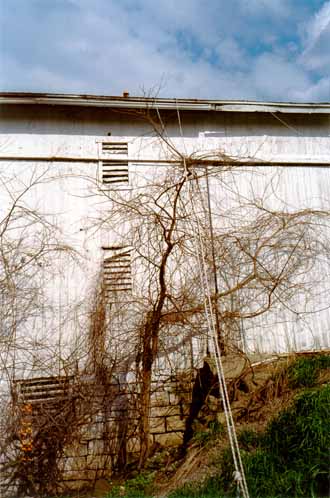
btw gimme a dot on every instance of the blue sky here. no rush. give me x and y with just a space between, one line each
213 49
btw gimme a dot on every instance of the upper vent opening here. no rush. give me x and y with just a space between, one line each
114 148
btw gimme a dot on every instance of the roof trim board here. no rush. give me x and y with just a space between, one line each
162 103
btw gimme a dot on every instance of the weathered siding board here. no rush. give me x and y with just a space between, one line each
291 149
67 281
296 188
73 203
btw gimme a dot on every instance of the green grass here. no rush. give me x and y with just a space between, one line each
297 446
248 439
291 459
209 435
304 372
137 487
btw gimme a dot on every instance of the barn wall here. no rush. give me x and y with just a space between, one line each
63 144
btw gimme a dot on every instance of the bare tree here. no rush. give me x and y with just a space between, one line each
196 208
264 254
30 243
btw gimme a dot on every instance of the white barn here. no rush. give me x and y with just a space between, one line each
66 160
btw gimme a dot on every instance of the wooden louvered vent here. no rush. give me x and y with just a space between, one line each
114 164
114 148
117 270
114 173
44 390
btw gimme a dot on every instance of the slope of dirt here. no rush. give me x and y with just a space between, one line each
268 390
259 391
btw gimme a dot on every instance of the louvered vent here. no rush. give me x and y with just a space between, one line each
114 164
44 390
117 270
114 172
115 148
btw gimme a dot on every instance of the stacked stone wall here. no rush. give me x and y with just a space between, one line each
103 434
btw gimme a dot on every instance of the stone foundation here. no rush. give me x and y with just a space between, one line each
104 432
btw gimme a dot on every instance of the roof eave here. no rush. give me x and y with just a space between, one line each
163 103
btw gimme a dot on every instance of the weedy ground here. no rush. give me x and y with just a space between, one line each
283 425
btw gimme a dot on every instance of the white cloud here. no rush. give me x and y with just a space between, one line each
278 78
278 7
316 92
318 26
213 49
231 53
315 55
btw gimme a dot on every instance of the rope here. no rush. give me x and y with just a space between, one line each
239 474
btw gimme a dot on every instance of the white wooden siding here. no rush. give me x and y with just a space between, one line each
67 151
